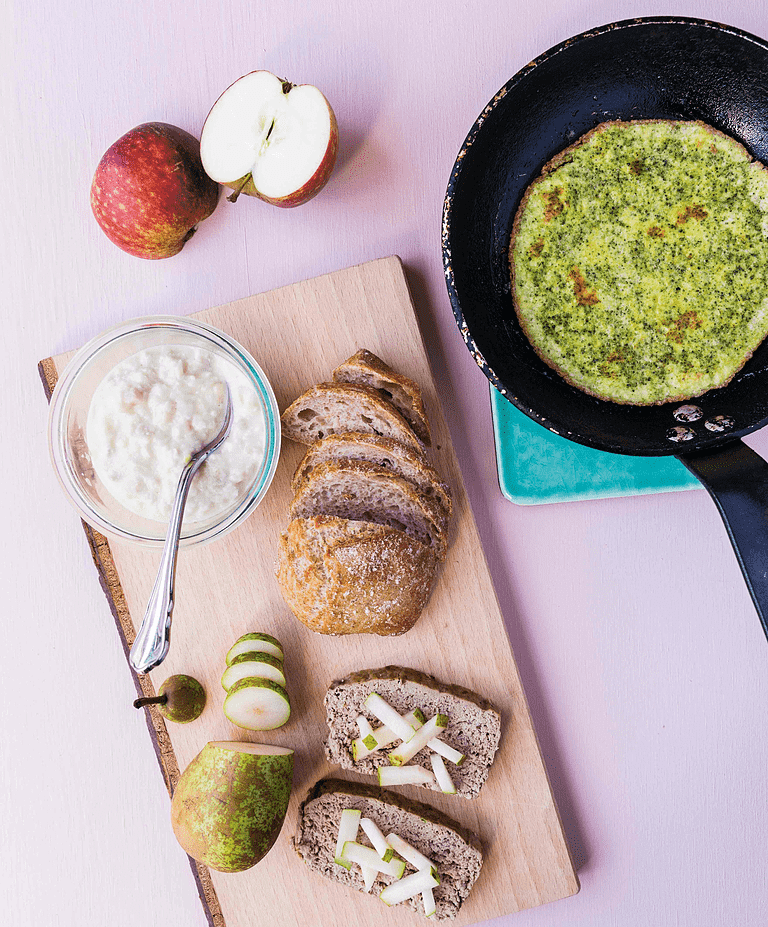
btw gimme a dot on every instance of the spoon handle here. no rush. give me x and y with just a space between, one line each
154 637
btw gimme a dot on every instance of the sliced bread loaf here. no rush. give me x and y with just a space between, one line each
386 452
366 369
455 851
330 408
363 491
474 725
354 577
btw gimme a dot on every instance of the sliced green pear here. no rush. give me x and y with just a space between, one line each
441 774
388 716
376 837
364 727
249 643
348 826
230 803
428 900
404 775
383 736
418 740
369 877
410 854
408 887
446 750
367 856
257 704
261 665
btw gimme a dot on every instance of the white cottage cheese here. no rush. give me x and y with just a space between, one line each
159 406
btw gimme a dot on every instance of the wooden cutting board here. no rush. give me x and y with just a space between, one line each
298 334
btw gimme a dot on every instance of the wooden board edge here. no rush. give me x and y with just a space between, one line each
158 733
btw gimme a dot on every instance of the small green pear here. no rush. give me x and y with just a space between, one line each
180 698
230 803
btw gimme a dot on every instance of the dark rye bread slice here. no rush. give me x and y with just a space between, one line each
366 369
331 408
363 491
474 725
455 851
354 577
385 452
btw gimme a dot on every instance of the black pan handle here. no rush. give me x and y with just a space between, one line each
737 479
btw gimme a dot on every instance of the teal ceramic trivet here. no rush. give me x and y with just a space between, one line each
537 466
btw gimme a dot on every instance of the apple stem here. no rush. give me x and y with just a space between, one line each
232 198
287 85
150 700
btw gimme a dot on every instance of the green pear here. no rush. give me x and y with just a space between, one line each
180 698
230 803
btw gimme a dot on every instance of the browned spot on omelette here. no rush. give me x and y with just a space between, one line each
555 204
584 296
536 248
692 212
615 357
688 321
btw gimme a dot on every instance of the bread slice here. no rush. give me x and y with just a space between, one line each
366 369
455 850
354 577
474 725
330 408
363 491
386 452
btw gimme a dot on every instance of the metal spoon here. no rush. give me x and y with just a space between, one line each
153 640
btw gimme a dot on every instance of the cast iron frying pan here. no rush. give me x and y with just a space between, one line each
661 67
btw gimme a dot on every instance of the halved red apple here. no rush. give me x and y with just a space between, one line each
269 138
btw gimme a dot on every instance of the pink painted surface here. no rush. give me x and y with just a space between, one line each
641 654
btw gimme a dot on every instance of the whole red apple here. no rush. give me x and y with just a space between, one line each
150 190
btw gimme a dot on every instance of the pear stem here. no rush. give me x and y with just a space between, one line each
150 700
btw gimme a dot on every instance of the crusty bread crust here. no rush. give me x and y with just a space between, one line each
385 452
366 369
352 577
339 407
405 674
357 489
550 167
370 517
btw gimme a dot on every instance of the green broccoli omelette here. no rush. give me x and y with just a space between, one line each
639 261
